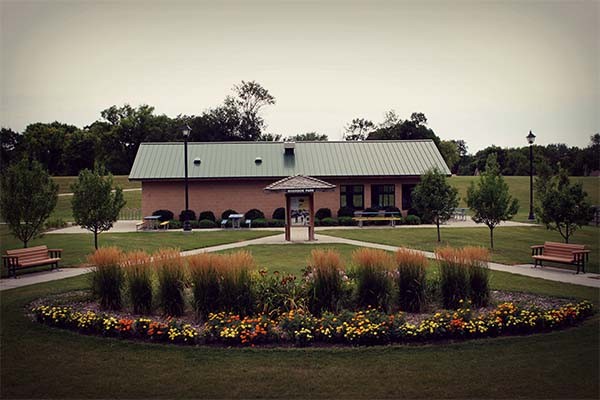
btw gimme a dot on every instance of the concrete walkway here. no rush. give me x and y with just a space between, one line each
299 236
130 226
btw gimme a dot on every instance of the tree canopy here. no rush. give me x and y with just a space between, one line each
562 206
490 199
95 205
27 197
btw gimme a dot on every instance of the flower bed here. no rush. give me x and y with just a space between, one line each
364 327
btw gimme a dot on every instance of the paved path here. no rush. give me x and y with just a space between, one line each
130 226
299 237
125 190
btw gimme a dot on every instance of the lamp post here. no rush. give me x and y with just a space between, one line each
530 140
186 223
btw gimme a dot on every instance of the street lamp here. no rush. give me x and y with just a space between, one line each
530 140
187 227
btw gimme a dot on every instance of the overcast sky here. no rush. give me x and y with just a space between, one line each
482 71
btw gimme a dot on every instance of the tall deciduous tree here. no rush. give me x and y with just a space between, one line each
308 136
435 198
95 206
562 206
358 129
449 152
490 198
28 196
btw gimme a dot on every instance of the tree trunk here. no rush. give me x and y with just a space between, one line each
438 230
25 243
492 238
96 239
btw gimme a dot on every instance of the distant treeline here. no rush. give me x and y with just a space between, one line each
114 138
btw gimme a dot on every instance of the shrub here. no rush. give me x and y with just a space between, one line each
171 276
392 209
329 222
325 275
225 214
165 215
275 222
323 213
138 280
259 223
174 224
194 224
206 224
205 269
107 277
347 221
279 213
412 220
454 277
189 214
345 212
479 274
254 214
55 223
236 291
411 280
209 215
372 269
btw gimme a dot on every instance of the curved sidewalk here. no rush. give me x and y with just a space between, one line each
548 273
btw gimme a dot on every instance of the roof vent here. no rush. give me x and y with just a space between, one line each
258 161
197 161
289 148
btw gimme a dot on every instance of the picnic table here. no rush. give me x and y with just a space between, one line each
460 214
235 220
151 221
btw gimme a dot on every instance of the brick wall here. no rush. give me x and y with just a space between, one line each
242 195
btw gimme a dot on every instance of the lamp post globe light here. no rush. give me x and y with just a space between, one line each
186 223
531 139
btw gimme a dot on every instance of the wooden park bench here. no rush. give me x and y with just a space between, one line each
563 253
362 216
30 257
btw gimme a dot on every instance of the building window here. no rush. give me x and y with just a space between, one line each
407 196
383 196
352 196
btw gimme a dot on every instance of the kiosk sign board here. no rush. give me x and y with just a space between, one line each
299 210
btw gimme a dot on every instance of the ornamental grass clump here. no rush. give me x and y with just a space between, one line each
411 280
325 276
107 277
138 280
205 271
372 271
454 276
479 274
170 273
236 292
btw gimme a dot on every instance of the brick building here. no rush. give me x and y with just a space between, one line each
233 175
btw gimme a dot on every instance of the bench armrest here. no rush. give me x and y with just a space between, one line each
537 250
537 246
581 251
10 260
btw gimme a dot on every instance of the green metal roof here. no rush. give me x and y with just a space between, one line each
323 159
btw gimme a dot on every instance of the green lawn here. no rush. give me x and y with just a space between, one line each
519 188
38 361
65 182
76 247
511 244
63 206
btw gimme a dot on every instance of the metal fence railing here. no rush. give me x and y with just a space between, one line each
130 214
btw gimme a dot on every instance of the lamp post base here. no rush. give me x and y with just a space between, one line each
531 217
187 227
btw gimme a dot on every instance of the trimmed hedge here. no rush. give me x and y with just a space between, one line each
225 214
329 222
206 224
191 215
323 213
165 215
345 212
254 214
209 215
279 213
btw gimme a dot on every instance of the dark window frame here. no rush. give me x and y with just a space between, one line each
387 191
349 196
